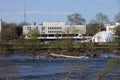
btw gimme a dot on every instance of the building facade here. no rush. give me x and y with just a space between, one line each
52 28
111 27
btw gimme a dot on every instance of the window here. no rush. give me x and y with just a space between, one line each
43 29
37 28
29 28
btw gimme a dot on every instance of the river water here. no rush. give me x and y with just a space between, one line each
29 67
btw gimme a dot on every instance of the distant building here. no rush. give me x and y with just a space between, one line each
111 27
52 28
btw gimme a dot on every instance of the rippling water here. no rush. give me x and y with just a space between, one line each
28 67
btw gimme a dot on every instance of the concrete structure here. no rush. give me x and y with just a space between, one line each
52 28
103 36
111 27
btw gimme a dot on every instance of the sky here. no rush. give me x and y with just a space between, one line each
55 10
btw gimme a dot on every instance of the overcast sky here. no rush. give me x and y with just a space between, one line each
55 10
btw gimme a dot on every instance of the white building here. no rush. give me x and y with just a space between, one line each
111 27
52 28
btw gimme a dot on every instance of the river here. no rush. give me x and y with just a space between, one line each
29 67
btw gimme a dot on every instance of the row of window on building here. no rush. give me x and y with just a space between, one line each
54 31
29 28
54 27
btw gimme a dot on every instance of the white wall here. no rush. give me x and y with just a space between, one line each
111 28
56 27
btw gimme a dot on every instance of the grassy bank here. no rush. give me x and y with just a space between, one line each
71 50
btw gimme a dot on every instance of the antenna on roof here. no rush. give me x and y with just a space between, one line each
25 11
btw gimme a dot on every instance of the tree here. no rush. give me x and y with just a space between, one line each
117 32
101 19
12 30
117 17
19 30
33 38
8 31
92 29
34 33
67 41
76 19
66 44
97 24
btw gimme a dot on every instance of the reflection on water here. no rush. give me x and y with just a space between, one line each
28 67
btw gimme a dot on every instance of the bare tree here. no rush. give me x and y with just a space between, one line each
100 19
76 19
92 29
117 17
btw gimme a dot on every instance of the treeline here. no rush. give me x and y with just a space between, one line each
12 31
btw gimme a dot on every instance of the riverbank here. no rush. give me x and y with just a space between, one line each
72 50
63 53
75 51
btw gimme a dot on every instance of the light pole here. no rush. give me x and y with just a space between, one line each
25 11
0 27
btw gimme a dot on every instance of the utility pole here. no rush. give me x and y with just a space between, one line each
25 11
0 27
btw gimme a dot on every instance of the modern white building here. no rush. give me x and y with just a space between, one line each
52 28
111 27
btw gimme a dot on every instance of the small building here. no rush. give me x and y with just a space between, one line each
111 27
